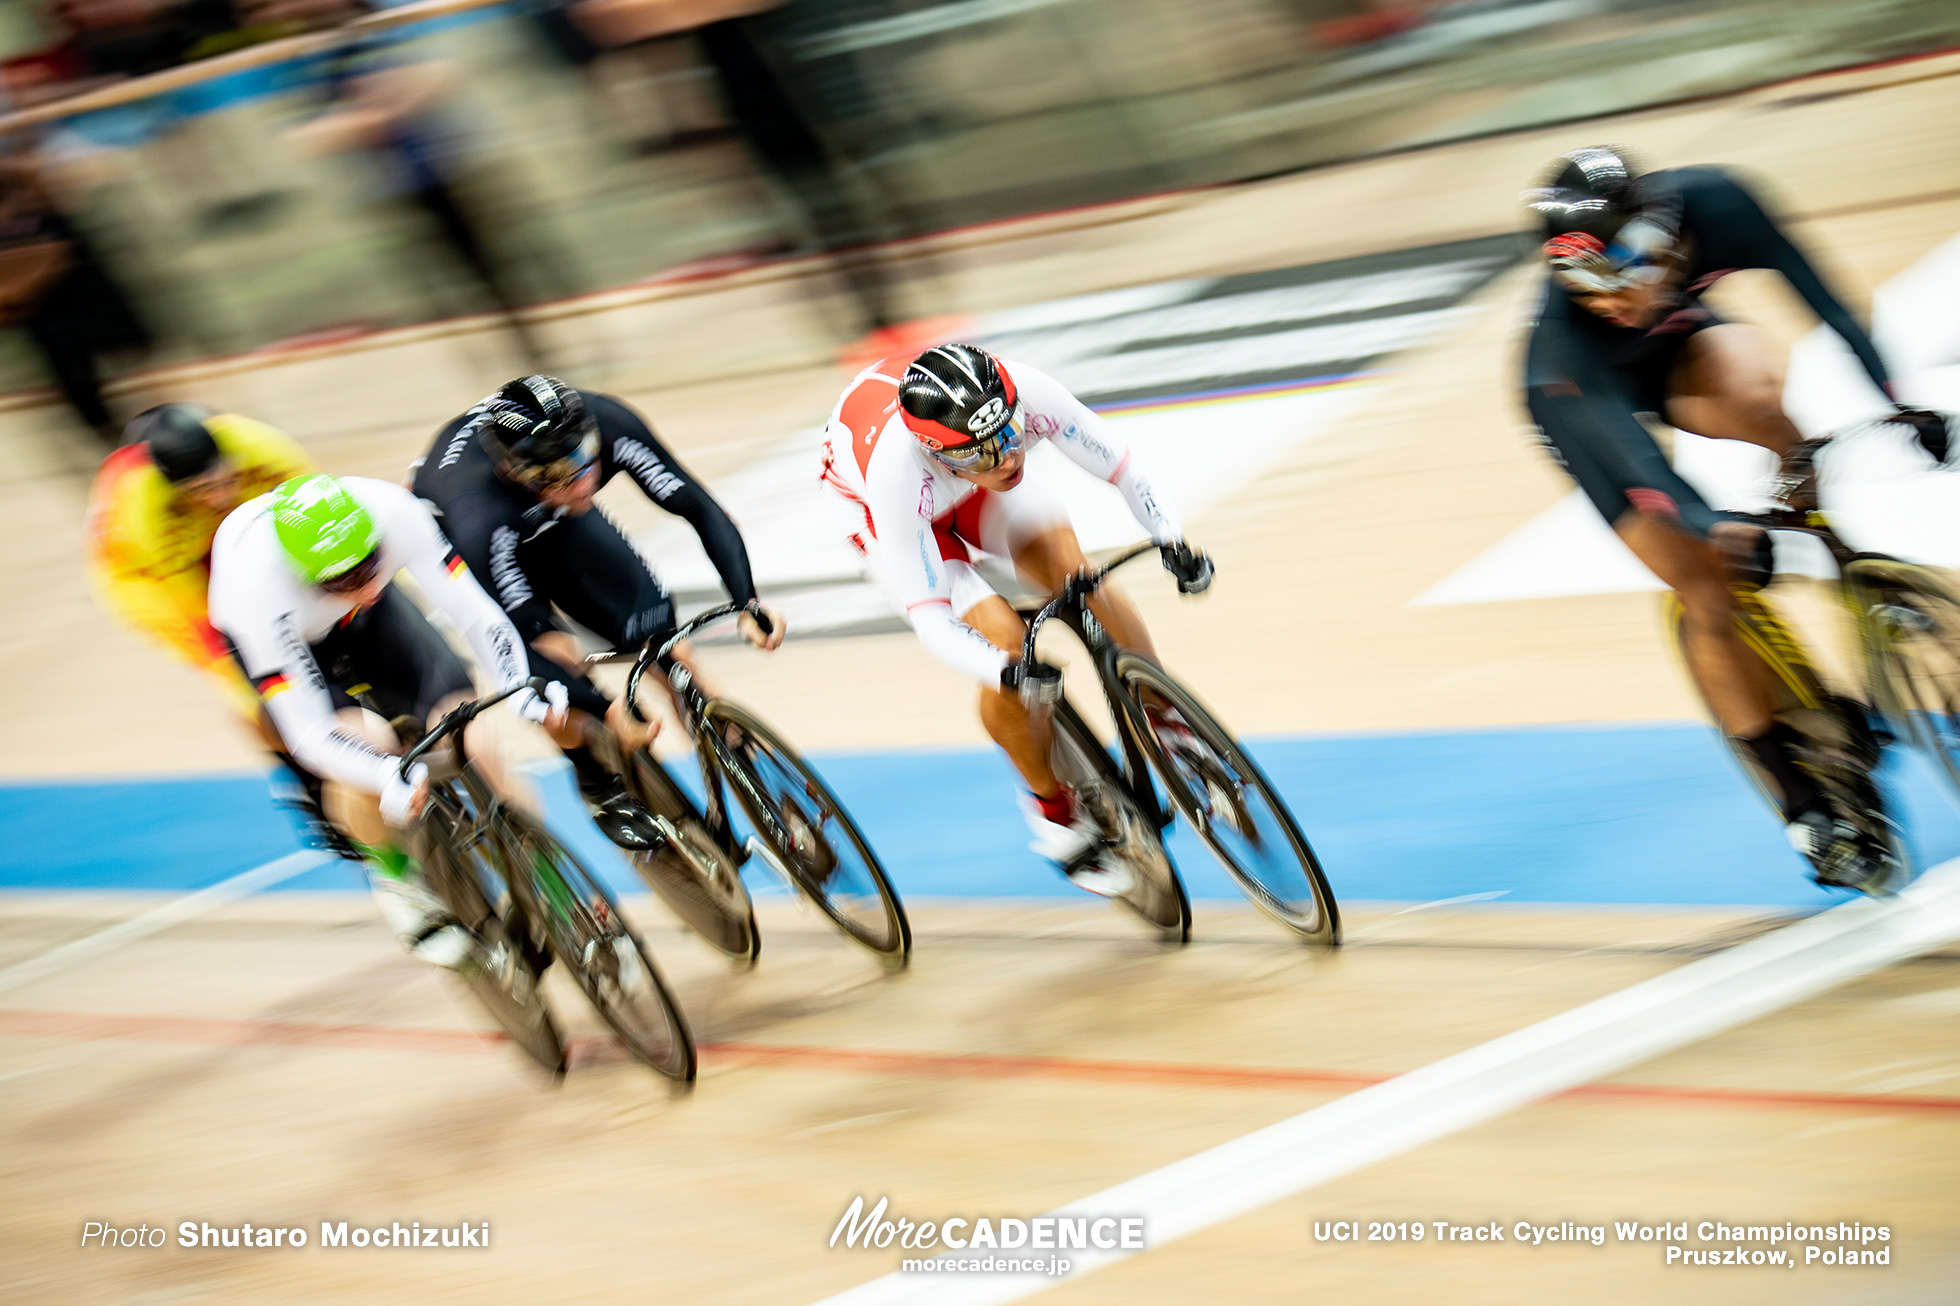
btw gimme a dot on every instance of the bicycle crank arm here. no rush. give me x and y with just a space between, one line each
755 847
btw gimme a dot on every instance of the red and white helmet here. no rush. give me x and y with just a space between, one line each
961 404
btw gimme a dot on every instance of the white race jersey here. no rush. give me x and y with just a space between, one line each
273 616
902 493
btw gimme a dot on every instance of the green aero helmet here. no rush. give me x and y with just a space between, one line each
323 528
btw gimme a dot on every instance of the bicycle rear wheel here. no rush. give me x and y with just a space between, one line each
504 972
595 942
809 834
1912 644
1084 765
1233 808
693 874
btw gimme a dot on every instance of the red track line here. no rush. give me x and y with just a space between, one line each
241 1033
236 1033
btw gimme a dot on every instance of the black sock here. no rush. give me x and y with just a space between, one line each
593 777
1776 749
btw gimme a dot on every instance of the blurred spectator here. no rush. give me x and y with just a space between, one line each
653 92
54 288
127 38
761 104
380 102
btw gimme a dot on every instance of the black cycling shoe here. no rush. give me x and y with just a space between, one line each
1843 857
624 821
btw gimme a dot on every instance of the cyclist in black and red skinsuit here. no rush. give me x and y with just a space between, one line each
512 484
1621 330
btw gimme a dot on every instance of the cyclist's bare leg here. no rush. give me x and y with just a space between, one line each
358 814
1049 560
1022 735
1726 385
580 727
563 648
1730 676
493 742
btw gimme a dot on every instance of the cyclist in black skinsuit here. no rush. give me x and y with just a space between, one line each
1621 330
512 483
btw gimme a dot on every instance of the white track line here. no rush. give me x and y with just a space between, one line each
242 885
1584 1044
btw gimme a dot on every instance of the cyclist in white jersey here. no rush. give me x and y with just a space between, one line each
930 454
302 585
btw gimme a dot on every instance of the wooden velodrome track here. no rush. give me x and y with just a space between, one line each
279 1062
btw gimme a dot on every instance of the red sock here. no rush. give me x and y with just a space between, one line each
1060 808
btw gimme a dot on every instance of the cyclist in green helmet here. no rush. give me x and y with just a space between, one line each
302 584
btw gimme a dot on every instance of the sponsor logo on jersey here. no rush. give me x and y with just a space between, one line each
457 443
652 474
1089 443
299 654
513 586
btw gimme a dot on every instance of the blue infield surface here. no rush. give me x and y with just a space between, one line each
1634 814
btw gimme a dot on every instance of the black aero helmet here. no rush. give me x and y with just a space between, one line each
1592 192
539 430
180 441
954 396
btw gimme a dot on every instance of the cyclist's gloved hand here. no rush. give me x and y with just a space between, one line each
1192 568
549 709
760 626
1037 683
402 800
1929 428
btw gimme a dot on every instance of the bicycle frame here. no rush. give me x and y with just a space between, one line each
1071 607
485 823
717 763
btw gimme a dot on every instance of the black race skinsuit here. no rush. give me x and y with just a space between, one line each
1586 378
531 557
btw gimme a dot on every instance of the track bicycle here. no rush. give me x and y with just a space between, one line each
1906 619
800 828
1207 776
529 900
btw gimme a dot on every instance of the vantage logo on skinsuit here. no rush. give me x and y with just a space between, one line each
651 473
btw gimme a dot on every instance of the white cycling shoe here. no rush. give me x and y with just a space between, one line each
418 918
1067 845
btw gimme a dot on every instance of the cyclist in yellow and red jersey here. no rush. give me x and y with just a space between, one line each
152 510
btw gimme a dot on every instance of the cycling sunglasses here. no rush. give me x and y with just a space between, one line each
559 472
356 577
985 454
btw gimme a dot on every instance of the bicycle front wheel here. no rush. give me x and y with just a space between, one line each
809 834
1083 764
503 972
693 874
1911 623
594 941
1231 805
